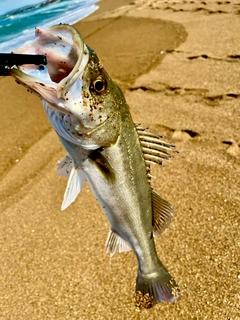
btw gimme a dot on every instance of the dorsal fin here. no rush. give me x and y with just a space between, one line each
114 241
154 149
162 213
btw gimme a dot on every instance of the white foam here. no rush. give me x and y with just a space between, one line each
29 34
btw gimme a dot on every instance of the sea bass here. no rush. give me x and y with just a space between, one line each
105 148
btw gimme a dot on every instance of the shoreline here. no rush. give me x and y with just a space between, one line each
53 262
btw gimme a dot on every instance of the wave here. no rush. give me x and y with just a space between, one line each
20 27
29 8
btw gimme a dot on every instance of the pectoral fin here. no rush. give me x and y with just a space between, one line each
102 165
114 241
75 184
162 213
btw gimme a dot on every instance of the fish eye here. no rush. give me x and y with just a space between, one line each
99 85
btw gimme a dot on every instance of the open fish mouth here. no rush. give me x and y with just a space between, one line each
67 57
62 84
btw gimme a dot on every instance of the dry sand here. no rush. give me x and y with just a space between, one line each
179 65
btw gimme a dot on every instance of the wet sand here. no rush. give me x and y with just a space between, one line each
178 64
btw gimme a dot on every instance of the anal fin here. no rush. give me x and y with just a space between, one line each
162 213
114 241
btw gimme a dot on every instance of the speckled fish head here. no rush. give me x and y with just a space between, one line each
102 100
74 83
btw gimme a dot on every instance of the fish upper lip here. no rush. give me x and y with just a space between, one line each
64 49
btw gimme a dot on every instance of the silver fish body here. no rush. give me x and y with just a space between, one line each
106 149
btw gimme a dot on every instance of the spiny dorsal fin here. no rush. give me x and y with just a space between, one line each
114 241
154 149
162 214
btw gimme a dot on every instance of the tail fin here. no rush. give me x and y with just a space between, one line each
155 287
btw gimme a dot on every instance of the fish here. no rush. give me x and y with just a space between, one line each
106 149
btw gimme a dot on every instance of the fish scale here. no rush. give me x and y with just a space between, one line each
107 150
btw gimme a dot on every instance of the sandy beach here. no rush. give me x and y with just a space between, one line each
178 63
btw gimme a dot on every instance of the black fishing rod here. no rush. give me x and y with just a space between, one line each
8 60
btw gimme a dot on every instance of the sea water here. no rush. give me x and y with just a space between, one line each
17 27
